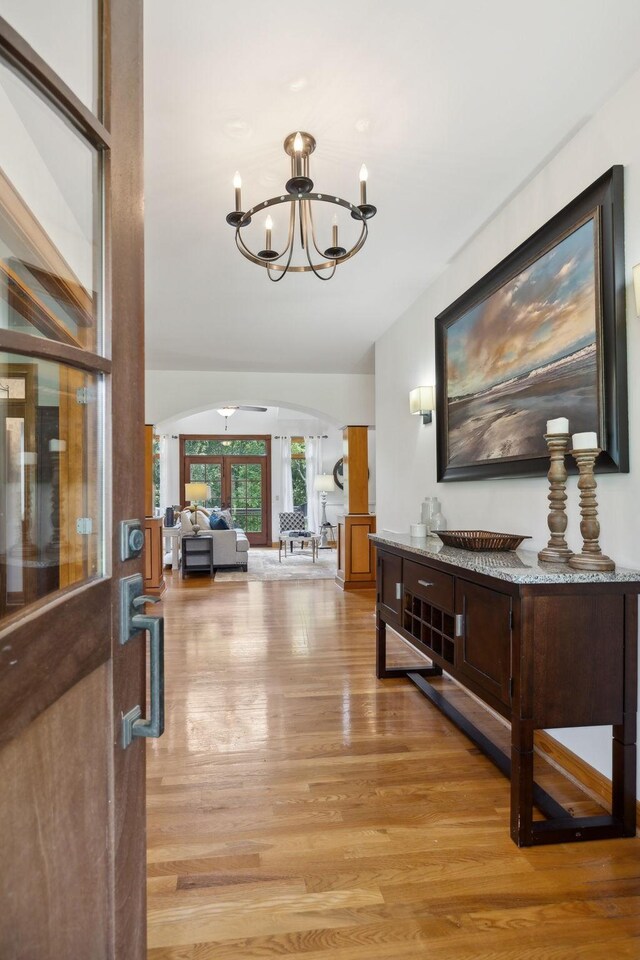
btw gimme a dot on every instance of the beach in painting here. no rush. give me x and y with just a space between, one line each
526 355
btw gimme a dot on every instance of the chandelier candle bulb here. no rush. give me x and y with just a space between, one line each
559 425
364 174
269 228
585 441
237 185
334 231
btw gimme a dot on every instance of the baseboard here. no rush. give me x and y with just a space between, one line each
579 771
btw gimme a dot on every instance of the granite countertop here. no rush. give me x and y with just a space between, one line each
515 566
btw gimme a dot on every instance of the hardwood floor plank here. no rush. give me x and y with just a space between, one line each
298 807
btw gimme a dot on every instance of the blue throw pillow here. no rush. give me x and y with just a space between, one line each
218 523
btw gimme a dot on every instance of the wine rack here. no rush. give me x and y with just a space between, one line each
431 626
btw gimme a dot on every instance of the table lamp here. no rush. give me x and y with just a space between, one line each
195 492
323 484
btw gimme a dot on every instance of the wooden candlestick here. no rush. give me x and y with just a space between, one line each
591 556
557 551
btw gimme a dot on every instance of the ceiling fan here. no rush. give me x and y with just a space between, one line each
227 412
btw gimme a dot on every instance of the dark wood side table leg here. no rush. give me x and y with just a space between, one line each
521 782
623 785
381 647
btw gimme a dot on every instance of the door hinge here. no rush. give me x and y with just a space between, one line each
511 687
510 619
84 395
84 526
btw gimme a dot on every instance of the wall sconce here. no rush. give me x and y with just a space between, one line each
421 401
636 287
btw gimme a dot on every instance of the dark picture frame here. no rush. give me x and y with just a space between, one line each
473 422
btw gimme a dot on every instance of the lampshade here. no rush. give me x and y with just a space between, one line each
323 483
421 399
197 491
226 411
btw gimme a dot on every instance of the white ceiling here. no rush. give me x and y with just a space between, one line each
451 104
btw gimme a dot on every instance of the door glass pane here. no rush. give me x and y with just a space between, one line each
213 476
210 473
50 221
66 35
51 532
246 496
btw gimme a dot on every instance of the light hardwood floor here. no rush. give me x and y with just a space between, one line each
297 807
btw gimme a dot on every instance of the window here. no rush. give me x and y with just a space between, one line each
298 473
155 466
216 447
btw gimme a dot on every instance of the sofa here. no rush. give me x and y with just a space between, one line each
230 547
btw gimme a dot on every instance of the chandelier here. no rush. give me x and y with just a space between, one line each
302 228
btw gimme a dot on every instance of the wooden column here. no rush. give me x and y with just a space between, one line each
356 553
154 582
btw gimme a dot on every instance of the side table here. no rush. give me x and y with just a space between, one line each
197 555
327 536
172 537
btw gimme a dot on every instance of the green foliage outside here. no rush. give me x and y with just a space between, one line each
225 448
299 481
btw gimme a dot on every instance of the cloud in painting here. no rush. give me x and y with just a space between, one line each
546 312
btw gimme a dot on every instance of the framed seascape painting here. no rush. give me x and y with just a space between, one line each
541 336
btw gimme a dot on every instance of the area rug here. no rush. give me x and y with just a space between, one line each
264 565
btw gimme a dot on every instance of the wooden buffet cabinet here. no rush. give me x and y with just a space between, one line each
543 645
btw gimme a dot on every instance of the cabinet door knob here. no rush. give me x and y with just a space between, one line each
425 583
459 624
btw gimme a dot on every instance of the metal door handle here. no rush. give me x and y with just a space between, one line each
132 598
425 583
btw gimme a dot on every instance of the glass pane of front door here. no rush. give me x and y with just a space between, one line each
247 496
50 221
66 36
51 533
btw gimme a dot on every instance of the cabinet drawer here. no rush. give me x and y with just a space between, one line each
429 584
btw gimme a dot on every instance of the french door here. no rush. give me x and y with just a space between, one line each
72 824
239 483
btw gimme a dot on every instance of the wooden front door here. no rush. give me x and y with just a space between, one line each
72 823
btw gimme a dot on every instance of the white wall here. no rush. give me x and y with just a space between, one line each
337 399
406 457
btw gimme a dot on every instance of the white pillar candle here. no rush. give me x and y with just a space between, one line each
559 425
585 441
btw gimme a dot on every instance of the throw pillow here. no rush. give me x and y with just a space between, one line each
185 523
218 523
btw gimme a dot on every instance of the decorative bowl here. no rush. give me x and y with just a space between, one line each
481 539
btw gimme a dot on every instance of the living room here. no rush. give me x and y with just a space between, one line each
437 760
